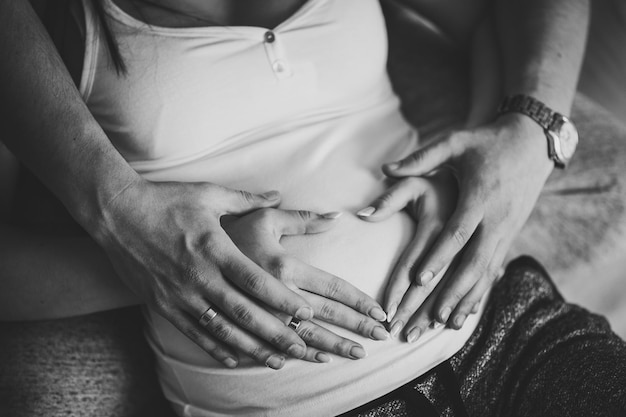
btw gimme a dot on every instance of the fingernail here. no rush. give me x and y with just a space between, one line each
393 165
323 357
357 352
304 313
395 329
332 215
435 325
377 313
392 312
275 361
414 334
230 362
475 308
379 333
445 314
459 320
425 277
271 195
297 351
366 212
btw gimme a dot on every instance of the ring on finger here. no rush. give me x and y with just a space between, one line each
207 316
294 324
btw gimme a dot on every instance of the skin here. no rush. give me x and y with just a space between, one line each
78 278
187 235
500 166
164 240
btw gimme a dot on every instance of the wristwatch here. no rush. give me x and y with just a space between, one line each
560 131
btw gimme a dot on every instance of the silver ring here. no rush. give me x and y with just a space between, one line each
294 324
207 316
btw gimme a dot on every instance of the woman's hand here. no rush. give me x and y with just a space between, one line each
166 243
333 300
501 169
430 201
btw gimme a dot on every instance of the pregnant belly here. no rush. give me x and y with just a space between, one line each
321 169
359 252
362 253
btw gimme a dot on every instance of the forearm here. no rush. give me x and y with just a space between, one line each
45 277
542 45
47 125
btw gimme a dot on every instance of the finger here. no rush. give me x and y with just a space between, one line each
404 272
393 200
471 302
336 313
238 202
327 341
190 328
299 222
411 303
329 286
254 318
475 263
261 285
453 238
423 160
316 355
424 317
224 329
320 339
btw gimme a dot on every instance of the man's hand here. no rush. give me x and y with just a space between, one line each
501 169
166 243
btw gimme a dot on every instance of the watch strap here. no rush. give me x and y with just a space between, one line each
531 107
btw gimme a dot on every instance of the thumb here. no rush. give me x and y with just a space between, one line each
238 202
299 222
422 161
393 200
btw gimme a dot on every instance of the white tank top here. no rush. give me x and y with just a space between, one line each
306 109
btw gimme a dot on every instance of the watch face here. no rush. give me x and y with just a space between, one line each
567 140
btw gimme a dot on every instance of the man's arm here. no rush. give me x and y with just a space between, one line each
542 45
48 126
164 240
501 165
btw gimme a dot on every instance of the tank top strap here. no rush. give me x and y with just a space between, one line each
92 48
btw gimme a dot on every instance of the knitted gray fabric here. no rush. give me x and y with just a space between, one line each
532 354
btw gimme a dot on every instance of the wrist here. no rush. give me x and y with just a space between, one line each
97 182
561 134
522 128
